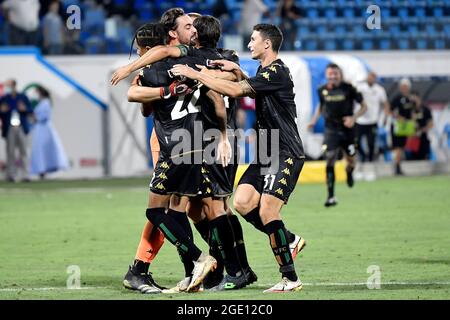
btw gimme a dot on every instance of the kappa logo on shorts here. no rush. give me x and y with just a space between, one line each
279 191
160 186
164 165
289 161
286 171
162 175
283 181
204 171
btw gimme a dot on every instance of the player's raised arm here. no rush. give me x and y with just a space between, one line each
141 94
153 55
225 87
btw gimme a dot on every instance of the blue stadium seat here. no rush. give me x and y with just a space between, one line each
420 12
367 44
348 44
403 44
421 44
349 13
312 13
403 12
330 13
439 44
310 45
438 12
330 45
385 44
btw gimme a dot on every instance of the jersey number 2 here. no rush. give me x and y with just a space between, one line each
177 113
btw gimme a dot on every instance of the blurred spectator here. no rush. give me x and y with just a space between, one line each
15 108
424 123
402 107
251 15
367 125
47 152
23 21
53 29
288 13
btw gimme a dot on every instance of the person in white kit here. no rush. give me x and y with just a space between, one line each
367 125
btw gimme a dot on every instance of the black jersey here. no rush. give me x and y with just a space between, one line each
336 102
403 106
208 112
275 106
176 112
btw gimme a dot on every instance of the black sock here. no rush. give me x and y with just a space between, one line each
330 181
253 218
182 219
203 228
222 233
239 238
173 232
140 266
280 247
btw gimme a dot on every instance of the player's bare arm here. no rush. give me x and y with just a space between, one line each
226 65
153 55
225 87
349 121
224 148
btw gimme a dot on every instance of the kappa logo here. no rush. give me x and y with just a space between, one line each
273 69
266 75
286 171
283 181
289 161
279 191
164 165
162 175
160 186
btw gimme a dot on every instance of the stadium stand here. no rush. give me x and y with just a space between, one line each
325 25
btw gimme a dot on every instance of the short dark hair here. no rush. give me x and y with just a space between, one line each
271 32
208 31
149 35
332 65
169 18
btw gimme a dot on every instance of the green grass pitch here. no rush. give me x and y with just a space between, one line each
401 225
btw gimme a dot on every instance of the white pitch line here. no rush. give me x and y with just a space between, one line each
49 289
351 284
311 284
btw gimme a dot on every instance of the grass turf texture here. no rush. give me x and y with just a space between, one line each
402 225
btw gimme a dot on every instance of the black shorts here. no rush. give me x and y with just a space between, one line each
340 139
179 179
219 179
280 183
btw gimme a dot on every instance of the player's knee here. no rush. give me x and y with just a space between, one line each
242 205
155 215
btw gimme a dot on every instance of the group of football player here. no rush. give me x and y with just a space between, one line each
188 83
